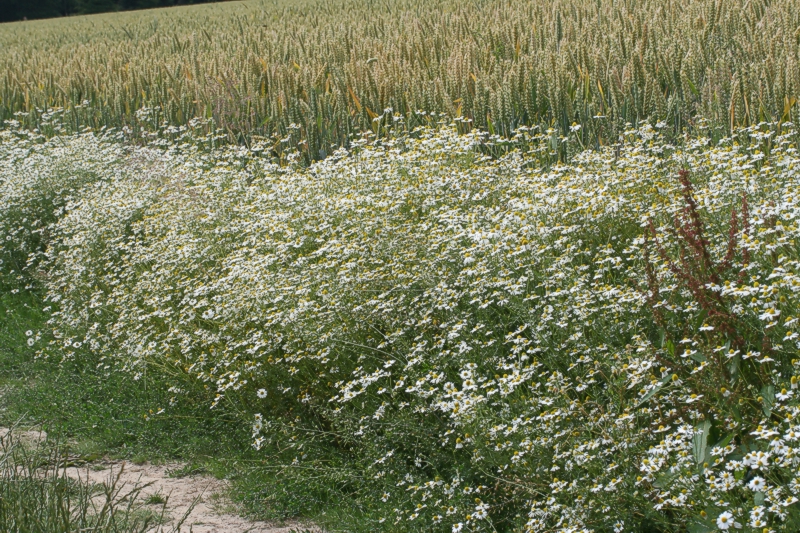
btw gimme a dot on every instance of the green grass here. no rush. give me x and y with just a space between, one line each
37 496
155 499
103 415
104 412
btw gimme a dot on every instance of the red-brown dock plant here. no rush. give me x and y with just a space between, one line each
700 277
721 354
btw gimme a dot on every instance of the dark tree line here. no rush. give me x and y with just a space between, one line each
11 10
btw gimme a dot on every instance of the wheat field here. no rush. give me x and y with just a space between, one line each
567 302
333 67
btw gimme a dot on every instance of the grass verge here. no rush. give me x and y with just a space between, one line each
107 414
37 495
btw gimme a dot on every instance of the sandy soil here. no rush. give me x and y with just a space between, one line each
202 497
212 512
26 437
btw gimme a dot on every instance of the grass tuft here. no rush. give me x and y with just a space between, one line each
38 496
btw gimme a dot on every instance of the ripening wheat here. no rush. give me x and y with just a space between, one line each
333 66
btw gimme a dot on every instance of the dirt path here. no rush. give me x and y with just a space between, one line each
203 497
212 512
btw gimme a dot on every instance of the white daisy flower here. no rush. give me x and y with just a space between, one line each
757 484
725 520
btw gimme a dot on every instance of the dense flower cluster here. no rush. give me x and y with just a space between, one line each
604 345
38 179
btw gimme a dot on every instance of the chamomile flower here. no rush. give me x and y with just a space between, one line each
757 484
418 287
725 521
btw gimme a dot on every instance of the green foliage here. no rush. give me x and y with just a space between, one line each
436 329
103 411
16 10
31 205
413 335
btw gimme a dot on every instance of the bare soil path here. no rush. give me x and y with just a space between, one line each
203 497
199 500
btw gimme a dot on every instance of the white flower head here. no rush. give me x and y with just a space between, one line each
757 484
756 460
725 521
262 393
784 395
757 513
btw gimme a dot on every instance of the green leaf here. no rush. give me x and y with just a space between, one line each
758 499
724 442
700 320
653 391
768 393
700 358
736 414
734 369
670 348
700 527
700 441
692 87
664 481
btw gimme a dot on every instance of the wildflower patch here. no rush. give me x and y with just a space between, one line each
604 345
